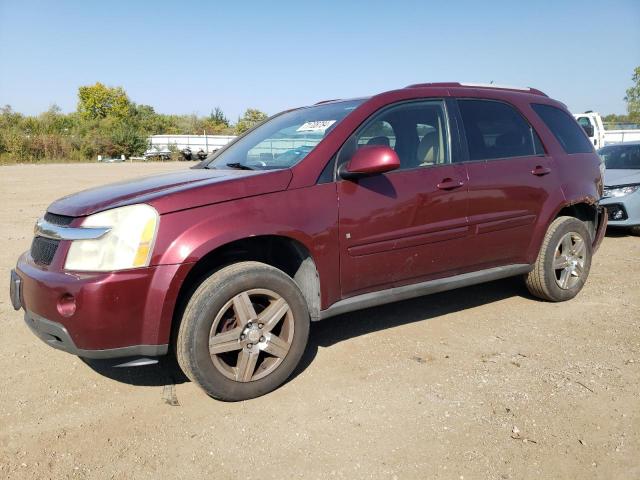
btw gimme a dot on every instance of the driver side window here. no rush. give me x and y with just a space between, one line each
378 132
417 131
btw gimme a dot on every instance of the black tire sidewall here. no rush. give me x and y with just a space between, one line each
569 225
210 297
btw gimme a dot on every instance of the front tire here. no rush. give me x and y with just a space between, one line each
563 263
243 331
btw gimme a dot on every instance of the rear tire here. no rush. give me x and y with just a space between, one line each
563 263
243 331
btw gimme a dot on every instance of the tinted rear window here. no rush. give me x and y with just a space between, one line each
497 130
566 130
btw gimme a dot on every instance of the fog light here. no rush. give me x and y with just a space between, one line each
67 305
616 212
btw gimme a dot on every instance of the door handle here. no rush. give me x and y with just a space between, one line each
539 171
449 184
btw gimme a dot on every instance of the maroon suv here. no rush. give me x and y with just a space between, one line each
318 211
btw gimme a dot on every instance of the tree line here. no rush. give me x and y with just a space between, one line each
106 122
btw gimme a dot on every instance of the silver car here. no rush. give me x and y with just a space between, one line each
621 194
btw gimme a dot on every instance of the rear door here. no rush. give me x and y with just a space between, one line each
510 180
407 224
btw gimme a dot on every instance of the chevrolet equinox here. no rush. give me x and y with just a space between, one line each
318 211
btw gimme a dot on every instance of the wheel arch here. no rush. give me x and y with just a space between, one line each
282 252
583 208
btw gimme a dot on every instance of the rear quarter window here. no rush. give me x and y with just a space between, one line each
563 126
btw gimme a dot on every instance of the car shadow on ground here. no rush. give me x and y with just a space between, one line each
338 329
618 232
350 325
165 372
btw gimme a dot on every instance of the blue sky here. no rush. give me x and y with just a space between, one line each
189 56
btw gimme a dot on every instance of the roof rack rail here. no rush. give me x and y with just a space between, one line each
534 91
326 101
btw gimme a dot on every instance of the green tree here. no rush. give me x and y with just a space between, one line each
250 118
126 139
53 121
217 123
99 101
217 117
9 119
147 120
633 97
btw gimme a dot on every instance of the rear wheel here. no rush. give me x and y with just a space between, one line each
563 263
243 332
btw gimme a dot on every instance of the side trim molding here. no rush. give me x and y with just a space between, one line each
396 294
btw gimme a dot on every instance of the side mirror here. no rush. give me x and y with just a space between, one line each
589 130
370 160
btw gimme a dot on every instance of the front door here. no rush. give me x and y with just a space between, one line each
405 225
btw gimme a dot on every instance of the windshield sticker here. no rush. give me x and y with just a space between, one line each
318 126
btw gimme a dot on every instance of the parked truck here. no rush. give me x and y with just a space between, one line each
592 124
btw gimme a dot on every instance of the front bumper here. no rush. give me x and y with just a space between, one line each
56 335
623 211
114 314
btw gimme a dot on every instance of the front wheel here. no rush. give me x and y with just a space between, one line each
243 331
563 263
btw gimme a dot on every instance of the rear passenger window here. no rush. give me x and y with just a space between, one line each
564 128
497 130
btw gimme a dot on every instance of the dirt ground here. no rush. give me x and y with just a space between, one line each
479 383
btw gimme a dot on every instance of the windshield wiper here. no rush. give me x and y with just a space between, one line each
239 166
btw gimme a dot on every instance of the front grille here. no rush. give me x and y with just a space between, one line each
43 249
56 219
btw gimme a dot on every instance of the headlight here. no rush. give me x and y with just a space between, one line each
128 244
619 191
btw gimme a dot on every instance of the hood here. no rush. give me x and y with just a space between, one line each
621 177
174 191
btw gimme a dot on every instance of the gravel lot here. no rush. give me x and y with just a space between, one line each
483 382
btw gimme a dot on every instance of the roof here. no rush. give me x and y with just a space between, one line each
457 86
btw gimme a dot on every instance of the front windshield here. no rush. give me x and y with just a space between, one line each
285 139
618 157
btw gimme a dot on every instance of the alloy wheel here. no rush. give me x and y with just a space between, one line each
569 260
251 335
